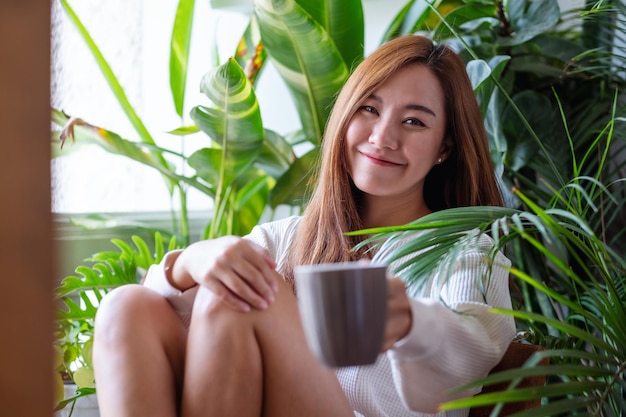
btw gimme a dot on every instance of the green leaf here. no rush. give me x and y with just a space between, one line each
486 87
207 163
81 392
234 123
478 72
81 131
179 52
538 112
306 57
529 19
276 156
250 203
460 16
184 130
411 16
296 184
344 22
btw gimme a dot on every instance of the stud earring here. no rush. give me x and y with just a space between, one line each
439 160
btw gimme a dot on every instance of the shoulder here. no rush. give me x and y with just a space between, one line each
275 236
276 229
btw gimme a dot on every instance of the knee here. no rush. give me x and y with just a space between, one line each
124 311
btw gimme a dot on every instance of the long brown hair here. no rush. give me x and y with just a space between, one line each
465 178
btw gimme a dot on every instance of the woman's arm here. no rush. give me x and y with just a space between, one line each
236 270
173 278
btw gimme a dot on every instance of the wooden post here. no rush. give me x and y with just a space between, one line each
26 306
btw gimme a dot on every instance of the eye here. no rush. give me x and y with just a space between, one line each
368 109
414 122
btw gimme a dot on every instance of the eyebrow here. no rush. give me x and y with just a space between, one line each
418 107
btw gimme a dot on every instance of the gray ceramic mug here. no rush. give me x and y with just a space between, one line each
343 307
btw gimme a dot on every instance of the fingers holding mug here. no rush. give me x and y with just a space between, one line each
399 317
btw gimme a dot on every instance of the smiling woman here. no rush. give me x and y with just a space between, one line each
395 138
229 303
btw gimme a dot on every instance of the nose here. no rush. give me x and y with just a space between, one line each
384 134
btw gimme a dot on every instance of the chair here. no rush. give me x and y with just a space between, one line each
514 357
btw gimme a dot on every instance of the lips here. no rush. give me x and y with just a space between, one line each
379 159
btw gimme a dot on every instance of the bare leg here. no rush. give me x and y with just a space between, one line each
138 354
255 364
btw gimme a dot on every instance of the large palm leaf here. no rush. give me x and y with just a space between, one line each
590 374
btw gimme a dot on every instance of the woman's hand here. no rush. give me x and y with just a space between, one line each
236 270
399 317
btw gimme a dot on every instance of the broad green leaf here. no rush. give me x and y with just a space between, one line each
306 57
553 46
460 16
276 156
114 223
478 72
207 163
497 64
530 18
344 22
179 52
234 123
295 186
250 202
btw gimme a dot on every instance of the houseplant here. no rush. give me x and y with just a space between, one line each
571 270
503 88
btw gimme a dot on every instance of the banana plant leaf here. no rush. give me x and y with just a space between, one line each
80 131
276 155
344 22
234 123
250 202
306 57
295 185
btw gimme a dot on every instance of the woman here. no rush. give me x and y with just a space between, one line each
405 138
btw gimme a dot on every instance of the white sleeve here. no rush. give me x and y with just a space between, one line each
454 338
157 280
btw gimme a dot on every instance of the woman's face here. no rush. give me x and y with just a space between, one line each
397 135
